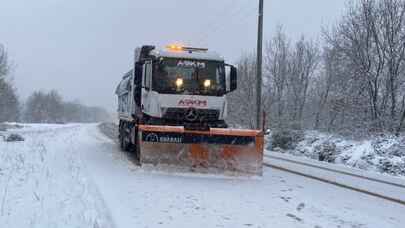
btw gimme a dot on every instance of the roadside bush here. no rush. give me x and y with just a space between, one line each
286 140
389 166
327 151
397 150
14 138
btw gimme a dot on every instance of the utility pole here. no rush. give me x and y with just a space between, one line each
259 68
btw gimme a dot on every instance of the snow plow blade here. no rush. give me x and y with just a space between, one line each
214 151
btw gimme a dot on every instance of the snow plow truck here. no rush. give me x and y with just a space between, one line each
172 107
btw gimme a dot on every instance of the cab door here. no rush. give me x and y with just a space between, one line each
147 87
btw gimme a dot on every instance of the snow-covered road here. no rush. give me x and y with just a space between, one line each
74 176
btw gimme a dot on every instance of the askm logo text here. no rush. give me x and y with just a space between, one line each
192 103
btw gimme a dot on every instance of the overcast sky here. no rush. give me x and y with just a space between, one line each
83 47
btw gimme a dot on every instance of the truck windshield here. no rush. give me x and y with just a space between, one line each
191 77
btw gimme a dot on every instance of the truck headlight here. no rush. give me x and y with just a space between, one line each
207 83
179 82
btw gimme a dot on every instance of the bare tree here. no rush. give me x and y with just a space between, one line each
9 105
241 102
392 26
402 118
4 67
276 73
303 64
324 84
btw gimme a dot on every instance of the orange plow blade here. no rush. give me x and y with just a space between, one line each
213 151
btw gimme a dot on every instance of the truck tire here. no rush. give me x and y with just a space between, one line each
135 148
124 144
121 136
127 146
124 138
121 139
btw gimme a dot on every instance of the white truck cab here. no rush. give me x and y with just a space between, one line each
177 86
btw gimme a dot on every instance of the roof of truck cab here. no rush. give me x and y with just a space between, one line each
198 55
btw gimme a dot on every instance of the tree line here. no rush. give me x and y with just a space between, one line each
41 107
351 80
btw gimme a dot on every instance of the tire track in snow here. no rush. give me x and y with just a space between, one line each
338 171
338 184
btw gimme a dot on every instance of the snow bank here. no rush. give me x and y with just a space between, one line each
383 154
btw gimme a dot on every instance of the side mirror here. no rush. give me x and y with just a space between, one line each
147 75
233 79
138 74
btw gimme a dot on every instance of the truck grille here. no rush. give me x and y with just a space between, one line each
179 114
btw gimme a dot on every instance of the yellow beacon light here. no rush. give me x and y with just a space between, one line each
174 47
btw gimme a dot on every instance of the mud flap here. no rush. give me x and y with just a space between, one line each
213 151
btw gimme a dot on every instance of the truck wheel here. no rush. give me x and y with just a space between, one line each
126 144
121 143
121 139
137 148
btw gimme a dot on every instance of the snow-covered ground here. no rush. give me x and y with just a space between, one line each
43 182
74 176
